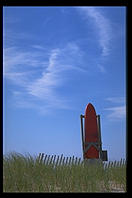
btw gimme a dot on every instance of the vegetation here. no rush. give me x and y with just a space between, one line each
60 174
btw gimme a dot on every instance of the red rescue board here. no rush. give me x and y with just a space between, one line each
91 150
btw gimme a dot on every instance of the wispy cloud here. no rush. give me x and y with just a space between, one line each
116 112
19 66
43 87
103 30
38 47
53 76
102 26
41 74
116 99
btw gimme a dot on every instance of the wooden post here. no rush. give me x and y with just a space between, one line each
82 133
99 133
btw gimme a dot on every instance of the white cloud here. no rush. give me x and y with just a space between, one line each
117 112
15 59
39 47
39 74
116 99
102 26
52 77
44 86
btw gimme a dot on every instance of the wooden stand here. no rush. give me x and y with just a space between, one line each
102 153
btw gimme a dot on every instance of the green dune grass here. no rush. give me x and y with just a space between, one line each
50 174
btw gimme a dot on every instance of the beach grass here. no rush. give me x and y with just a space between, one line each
45 173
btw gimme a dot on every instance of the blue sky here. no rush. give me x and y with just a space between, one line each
56 60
